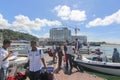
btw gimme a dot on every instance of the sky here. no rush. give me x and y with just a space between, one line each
99 20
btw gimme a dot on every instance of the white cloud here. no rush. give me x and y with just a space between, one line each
65 13
46 35
4 23
114 18
77 15
24 23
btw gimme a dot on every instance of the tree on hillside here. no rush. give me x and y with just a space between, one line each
15 35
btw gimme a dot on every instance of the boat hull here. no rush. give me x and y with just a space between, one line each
108 68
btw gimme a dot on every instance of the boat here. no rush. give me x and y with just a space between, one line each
103 67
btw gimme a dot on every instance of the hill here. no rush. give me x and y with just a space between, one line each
15 35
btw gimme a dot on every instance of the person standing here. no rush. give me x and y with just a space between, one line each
60 55
78 45
4 62
69 58
116 56
54 53
65 48
35 56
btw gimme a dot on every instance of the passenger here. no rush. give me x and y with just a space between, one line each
65 48
115 56
35 56
78 45
54 53
4 62
79 57
98 53
69 58
60 55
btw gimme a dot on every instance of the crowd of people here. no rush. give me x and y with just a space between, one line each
36 57
66 52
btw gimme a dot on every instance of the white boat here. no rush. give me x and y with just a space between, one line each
104 67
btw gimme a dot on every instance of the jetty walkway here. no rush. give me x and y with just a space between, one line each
75 74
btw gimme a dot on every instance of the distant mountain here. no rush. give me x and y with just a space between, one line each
15 35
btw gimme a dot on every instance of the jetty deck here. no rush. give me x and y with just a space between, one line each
75 74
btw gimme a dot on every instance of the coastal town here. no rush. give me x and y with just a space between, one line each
59 40
22 47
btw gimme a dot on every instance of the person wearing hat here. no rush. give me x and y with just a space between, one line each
98 53
115 56
4 62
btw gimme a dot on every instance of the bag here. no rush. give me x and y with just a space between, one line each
47 75
18 76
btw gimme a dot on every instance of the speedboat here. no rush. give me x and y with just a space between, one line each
103 67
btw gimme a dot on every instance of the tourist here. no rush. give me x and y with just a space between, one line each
116 56
78 45
98 53
65 47
4 62
54 53
69 58
35 56
60 55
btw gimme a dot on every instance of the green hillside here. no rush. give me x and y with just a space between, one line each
15 35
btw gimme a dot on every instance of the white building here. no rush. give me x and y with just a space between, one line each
63 34
60 34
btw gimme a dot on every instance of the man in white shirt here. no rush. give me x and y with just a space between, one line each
35 56
69 57
4 62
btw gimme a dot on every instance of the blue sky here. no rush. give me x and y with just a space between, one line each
99 20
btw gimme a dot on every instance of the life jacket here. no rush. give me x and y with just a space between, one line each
18 76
